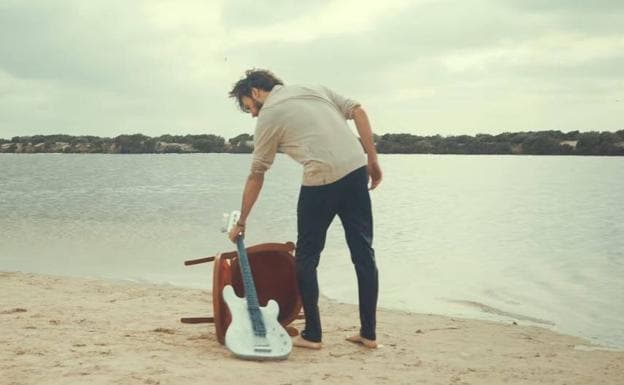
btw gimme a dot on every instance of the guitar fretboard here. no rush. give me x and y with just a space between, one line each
253 306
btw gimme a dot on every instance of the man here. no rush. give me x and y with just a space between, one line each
309 123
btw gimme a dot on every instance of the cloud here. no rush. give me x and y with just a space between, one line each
252 14
106 68
574 7
87 67
250 22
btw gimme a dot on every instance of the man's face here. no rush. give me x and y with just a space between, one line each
251 105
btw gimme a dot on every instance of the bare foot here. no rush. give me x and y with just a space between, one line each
358 339
303 343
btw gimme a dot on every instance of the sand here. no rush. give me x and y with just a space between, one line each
59 330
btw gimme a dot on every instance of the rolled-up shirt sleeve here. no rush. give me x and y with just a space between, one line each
266 141
344 105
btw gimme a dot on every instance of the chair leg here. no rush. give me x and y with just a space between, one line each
197 320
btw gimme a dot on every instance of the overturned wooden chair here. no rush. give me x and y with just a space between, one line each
273 270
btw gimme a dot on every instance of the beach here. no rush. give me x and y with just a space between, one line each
66 330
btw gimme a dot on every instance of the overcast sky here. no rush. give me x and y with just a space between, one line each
423 67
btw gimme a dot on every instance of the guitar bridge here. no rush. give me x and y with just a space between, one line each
262 349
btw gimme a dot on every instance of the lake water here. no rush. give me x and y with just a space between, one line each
539 240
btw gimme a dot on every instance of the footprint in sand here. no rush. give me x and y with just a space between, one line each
13 311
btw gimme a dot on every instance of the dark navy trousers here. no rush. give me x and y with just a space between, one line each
318 205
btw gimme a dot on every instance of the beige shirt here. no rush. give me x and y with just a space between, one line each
308 123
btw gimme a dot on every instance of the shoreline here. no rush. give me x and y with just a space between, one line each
76 330
489 314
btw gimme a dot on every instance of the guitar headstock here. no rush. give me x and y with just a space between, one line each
229 221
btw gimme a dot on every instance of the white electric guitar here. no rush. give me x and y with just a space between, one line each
254 333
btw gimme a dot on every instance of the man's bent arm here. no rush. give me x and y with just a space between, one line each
366 136
250 195
366 133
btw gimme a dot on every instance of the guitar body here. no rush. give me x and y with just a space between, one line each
240 338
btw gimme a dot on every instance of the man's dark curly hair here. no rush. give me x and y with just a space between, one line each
254 78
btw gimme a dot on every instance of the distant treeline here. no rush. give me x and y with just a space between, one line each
126 144
518 143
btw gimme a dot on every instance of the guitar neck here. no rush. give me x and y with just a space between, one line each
248 282
253 305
